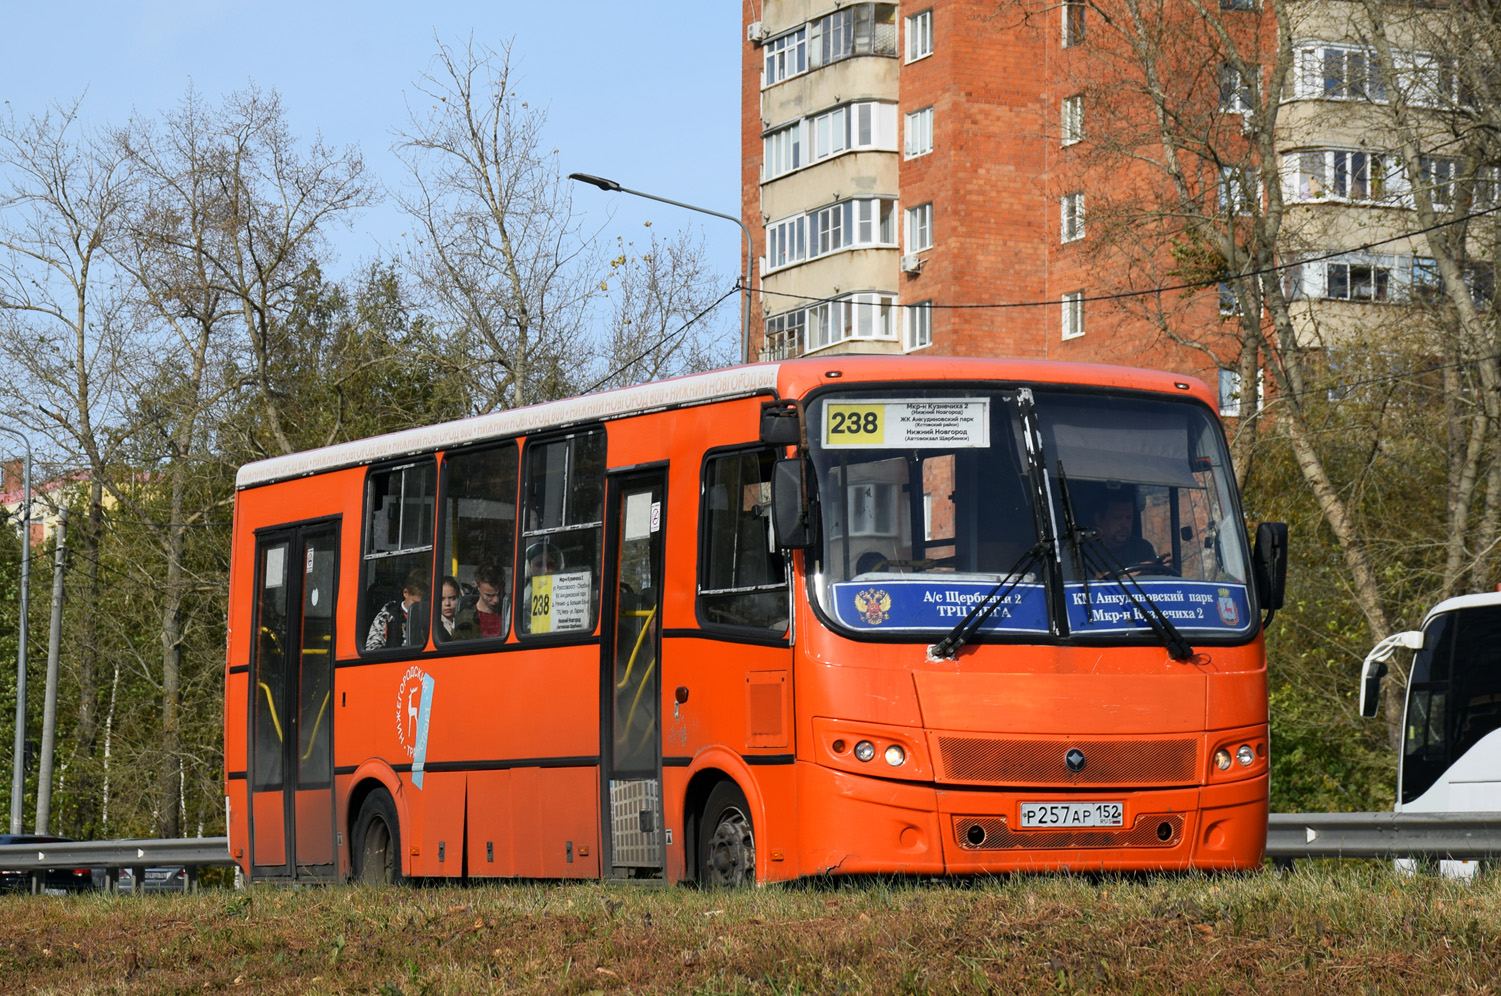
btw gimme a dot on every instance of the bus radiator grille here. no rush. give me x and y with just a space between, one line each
1040 762
994 834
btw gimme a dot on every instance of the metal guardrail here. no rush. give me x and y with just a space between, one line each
1458 836
113 855
1290 837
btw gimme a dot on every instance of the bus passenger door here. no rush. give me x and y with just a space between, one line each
632 749
291 713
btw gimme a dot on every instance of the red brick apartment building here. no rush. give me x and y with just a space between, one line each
901 160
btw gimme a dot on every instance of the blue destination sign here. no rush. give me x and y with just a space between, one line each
1187 604
928 604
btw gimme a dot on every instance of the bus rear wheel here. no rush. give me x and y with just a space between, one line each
727 841
377 841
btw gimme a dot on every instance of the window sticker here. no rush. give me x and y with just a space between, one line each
946 424
638 517
1187 604
559 602
901 604
276 567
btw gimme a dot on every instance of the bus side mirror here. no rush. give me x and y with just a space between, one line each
1374 668
1269 564
781 423
790 523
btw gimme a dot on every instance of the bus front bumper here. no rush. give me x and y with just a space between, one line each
848 824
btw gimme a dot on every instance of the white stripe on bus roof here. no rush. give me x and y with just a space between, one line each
717 385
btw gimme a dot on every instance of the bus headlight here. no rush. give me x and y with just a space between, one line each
895 756
1245 755
1222 759
865 750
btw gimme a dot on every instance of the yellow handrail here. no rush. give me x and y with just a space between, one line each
313 737
272 706
646 626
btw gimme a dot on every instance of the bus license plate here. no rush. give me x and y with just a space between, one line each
1071 814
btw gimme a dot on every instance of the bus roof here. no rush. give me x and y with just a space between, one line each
791 378
1462 602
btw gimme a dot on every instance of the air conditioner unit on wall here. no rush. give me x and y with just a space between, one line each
911 263
755 33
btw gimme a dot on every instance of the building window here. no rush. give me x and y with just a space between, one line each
1438 176
1073 314
784 336
860 29
1237 4
866 221
1073 22
1229 299
1071 217
919 325
1344 174
785 242
1338 72
919 36
864 124
1362 281
783 150
920 227
1233 400
1235 190
786 56
1071 120
920 132
855 316
1237 92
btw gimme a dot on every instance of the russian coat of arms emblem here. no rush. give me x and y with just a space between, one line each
874 605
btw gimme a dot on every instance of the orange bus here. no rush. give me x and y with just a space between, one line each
848 614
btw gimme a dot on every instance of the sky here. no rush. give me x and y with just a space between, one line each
646 93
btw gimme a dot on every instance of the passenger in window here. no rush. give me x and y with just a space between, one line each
402 623
543 558
449 594
871 562
488 616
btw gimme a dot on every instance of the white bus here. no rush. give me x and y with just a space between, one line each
1451 739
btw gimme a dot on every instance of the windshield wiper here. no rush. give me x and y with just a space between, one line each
949 646
1082 544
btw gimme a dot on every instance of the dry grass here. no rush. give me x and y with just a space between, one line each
1345 930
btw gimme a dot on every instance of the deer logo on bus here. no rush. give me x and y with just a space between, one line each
874 605
408 699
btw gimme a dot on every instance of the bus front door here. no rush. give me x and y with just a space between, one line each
632 748
291 714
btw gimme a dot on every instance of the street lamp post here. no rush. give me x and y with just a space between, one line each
614 187
18 771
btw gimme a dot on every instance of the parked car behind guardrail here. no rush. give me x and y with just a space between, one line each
53 879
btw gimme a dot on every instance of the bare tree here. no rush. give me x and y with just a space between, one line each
663 316
503 262
64 330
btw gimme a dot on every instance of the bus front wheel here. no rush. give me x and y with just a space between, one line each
377 841
727 840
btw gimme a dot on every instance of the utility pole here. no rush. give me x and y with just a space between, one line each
49 709
18 761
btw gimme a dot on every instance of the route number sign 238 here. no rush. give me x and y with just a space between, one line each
855 424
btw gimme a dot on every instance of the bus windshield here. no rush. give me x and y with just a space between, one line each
929 497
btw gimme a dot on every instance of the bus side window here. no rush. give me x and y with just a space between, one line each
562 534
396 566
742 578
478 537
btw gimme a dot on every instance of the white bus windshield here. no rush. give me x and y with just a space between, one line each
928 497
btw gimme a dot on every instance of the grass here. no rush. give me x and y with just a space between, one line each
1346 929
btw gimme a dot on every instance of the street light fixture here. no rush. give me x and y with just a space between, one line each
613 187
18 771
